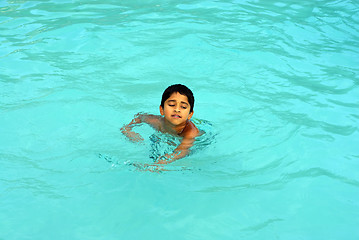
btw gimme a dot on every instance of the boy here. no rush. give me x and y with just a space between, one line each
176 111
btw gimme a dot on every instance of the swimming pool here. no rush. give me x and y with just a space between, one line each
277 80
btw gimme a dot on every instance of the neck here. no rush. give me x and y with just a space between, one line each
174 129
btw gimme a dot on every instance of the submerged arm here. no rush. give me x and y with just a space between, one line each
138 120
181 151
127 129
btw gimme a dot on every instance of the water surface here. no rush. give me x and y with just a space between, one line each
278 81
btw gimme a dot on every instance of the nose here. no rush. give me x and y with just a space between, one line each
177 108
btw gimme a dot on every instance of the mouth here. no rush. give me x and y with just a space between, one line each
175 116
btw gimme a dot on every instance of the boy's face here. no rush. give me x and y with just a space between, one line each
176 109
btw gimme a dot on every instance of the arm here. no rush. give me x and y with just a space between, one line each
190 132
127 129
180 152
139 118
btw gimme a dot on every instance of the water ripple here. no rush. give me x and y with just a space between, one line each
278 80
284 180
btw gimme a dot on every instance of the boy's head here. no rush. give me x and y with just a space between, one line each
181 89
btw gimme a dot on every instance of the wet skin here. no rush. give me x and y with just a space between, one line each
175 119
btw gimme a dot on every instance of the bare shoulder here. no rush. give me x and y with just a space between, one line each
190 131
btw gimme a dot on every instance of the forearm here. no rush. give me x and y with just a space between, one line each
169 158
181 151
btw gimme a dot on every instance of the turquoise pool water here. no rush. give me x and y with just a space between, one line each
277 80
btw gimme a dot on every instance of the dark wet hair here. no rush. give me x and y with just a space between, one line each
181 89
